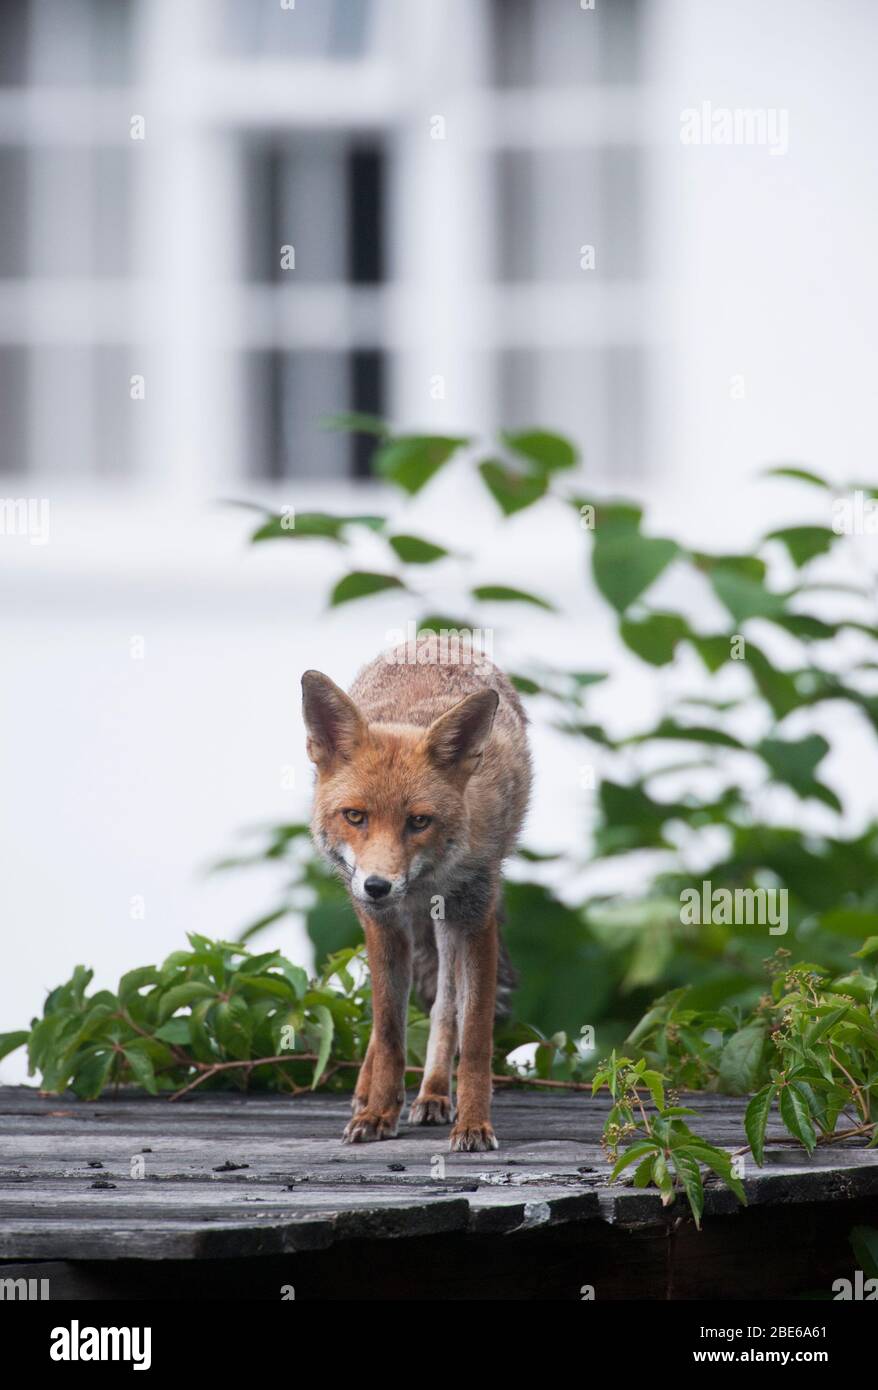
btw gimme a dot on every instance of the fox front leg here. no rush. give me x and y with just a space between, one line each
380 1090
476 985
360 1098
433 1105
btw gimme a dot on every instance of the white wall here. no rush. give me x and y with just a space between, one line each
124 778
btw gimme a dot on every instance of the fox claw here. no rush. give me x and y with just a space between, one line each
430 1110
473 1139
364 1128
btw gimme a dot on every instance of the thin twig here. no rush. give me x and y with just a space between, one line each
821 1138
864 1109
208 1069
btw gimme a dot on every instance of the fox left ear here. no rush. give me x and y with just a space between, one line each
456 739
335 725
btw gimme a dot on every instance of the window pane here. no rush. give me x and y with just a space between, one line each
14 372
13 212
288 394
322 196
538 42
13 42
312 29
551 203
120 420
79 212
80 42
596 395
82 420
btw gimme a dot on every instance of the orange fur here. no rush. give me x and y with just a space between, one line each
443 741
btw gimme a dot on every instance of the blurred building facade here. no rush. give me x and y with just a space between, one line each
224 219
273 212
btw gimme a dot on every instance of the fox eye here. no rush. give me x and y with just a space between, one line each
354 817
419 822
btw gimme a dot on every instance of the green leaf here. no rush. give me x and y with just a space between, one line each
443 622
824 1024
625 564
775 686
719 1162
91 1076
254 965
806 627
714 651
653 951
93 1024
511 490
663 1180
804 543
135 980
267 986
414 551
756 1120
547 451
801 475
869 947
360 584
743 595
331 927
178 996
689 1173
301 526
653 1080
852 922
355 422
525 685
326 1028
202 1044
544 1056
792 761
254 928
10 1041
859 986
233 1026
633 1154
633 819
686 733
741 1061
612 518
42 1036
655 637
796 1115
586 678
177 1031
410 461
142 1069
643 1174
499 593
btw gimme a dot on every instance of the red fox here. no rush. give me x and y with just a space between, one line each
423 776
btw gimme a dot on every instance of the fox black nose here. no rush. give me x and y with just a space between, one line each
377 887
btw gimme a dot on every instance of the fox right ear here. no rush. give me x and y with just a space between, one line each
456 738
335 725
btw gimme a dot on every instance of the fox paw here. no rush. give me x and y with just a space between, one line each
430 1110
472 1139
358 1104
368 1126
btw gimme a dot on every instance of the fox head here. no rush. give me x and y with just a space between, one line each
389 805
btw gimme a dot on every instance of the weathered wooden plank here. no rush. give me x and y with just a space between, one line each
230 1175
